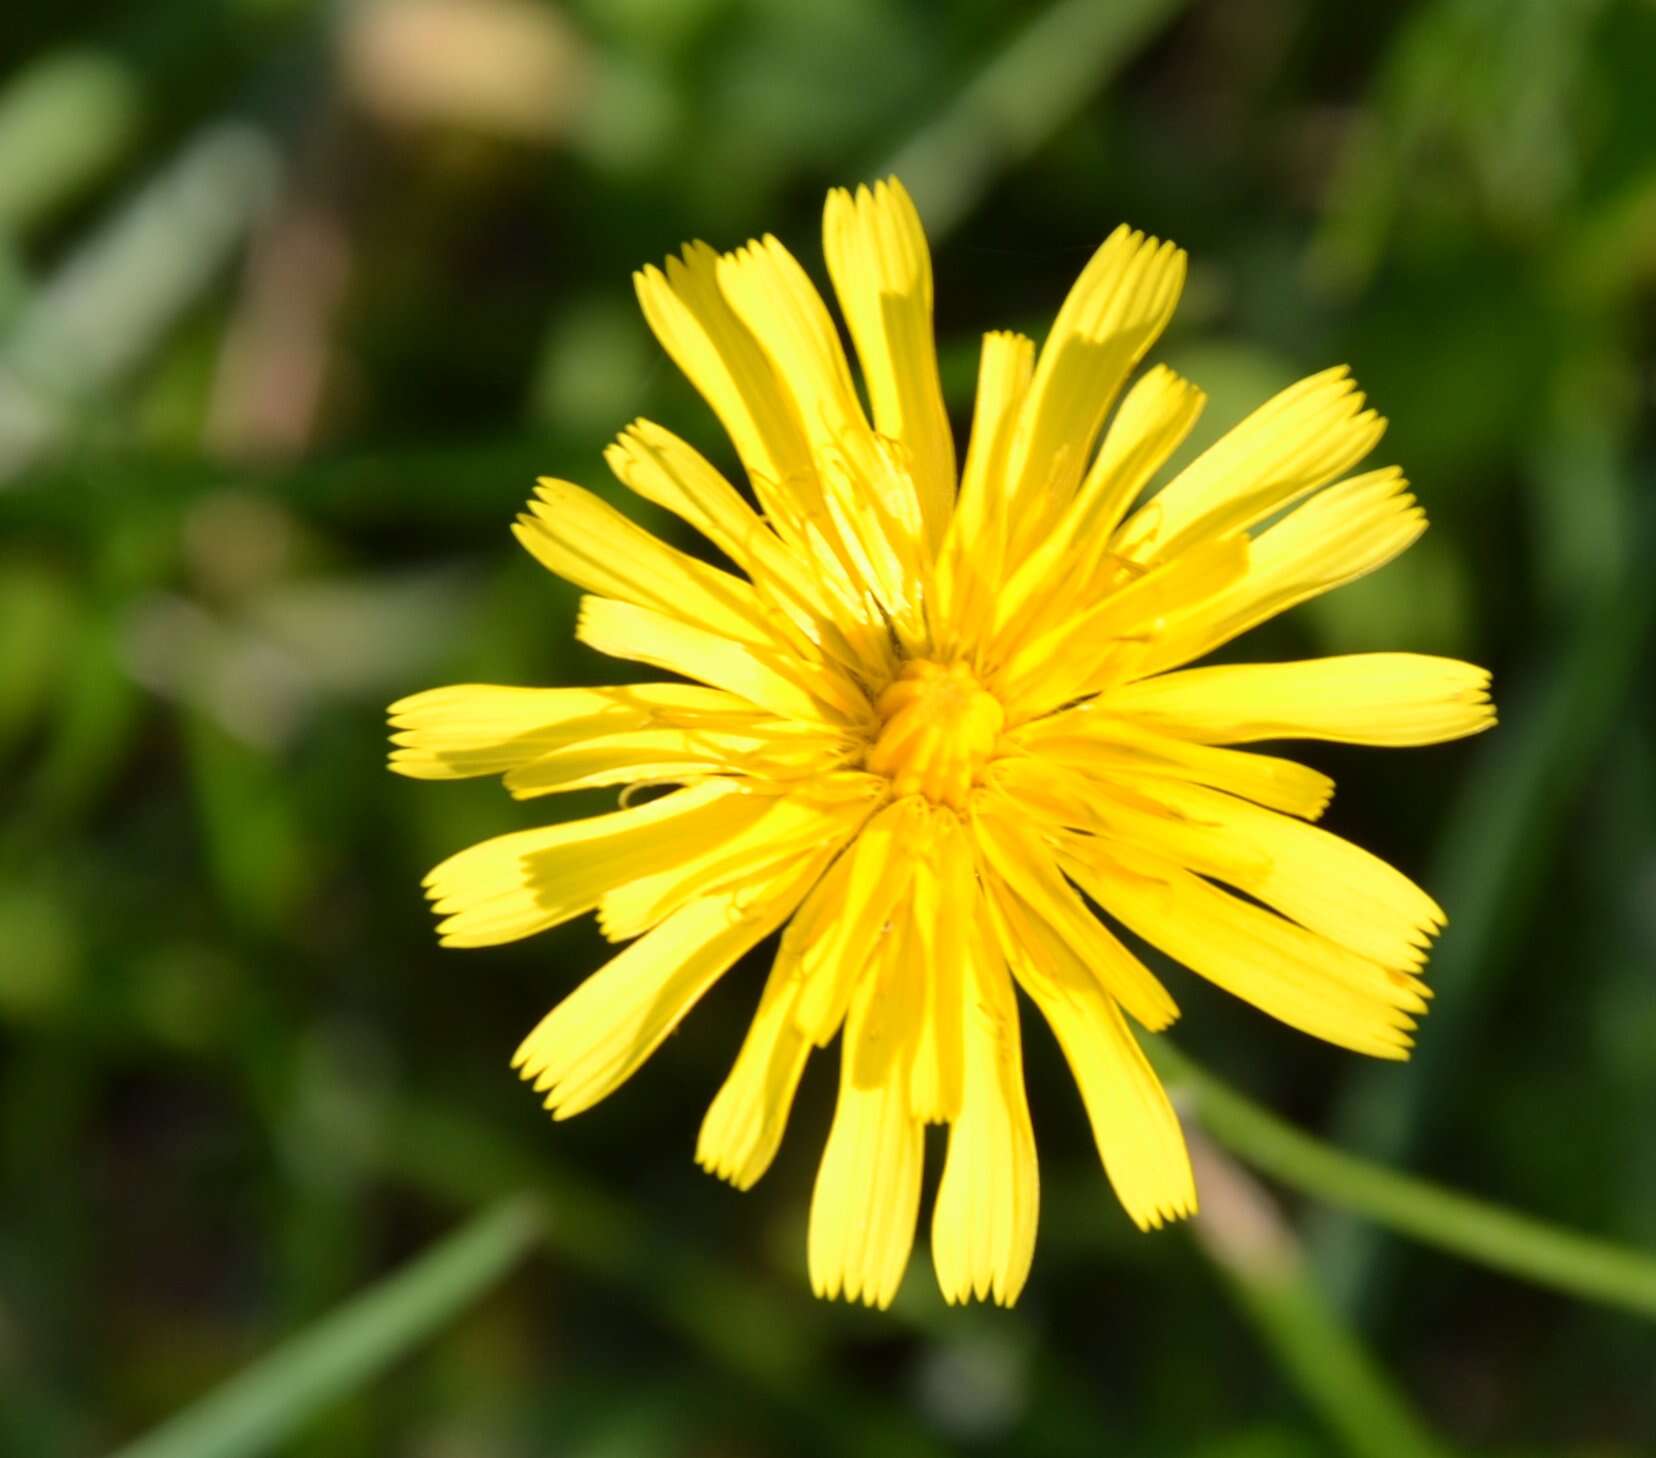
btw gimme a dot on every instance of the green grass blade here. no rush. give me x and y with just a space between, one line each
1033 85
1520 1245
1263 1265
253 1412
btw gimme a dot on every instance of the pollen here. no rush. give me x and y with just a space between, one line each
938 729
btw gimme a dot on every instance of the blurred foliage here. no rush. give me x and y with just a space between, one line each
295 300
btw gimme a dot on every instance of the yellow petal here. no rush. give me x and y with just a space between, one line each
764 749
836 932
773 681
1103 642
1052 582
1006 365
871 521
1324 883
1362 698
983 1224
867 1194
719 355
1337 536
675 476
572 533
862 501
969 562
776 300
1080 813
599 1035
1152 423
790 825
1053 920
881 268
487 729
1117 309
1294 443
744 1125
1101 744
1137 1132
519 884
663 469
1305 980
944 886
893 993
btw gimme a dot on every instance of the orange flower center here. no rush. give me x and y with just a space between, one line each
938 729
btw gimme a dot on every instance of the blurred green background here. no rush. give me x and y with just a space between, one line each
296 298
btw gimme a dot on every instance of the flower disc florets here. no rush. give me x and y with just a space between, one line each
938 729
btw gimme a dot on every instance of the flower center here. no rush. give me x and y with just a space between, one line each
937 730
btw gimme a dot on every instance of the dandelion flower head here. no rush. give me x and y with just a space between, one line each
933 723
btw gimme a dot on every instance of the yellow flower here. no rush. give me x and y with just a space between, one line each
938 729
